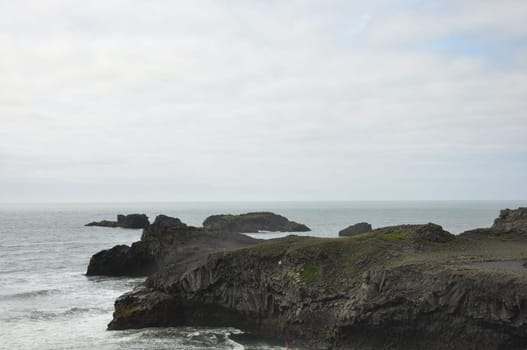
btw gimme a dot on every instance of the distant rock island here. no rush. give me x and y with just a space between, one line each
398 287
125 221
361 227
253 223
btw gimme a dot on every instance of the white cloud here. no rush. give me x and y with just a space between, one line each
314 100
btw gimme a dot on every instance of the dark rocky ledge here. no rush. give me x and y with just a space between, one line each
508 221
361 227
400 287
125 221
167 241
253 223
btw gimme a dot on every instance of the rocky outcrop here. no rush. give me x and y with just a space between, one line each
511 221
373 291
253 223
432 233
361 227
125 221
141 259
167 241
157 309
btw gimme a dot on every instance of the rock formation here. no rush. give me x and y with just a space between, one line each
361 227
511 221
252 223
124 221
432 233
167 241
401 287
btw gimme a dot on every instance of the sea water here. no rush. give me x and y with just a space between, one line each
47 302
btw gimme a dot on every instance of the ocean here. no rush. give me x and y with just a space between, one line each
47 302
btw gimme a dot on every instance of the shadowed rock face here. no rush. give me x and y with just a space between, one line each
361 227
122 260
252 223
167 241
125 221
378 290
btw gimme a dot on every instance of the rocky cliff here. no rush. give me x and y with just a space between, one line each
167 241
511 220
400 287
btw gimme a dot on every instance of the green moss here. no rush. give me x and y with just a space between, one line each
228 217
308 273
396 235
333 260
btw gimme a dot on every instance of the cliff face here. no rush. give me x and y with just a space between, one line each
511 220
167 241
409 286
400 287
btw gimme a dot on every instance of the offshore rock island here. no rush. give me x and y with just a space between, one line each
134 221
253 223
398 287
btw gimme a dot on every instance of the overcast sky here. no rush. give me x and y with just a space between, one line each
262 100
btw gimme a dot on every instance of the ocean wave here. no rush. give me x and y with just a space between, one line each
30 294
74 311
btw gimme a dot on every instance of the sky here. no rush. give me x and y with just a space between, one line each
141 100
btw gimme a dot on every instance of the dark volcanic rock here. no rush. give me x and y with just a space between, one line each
133 221
158 309
162 228
167 241
373 291
361 227
252 223
433 233
103 223
121 260
124 221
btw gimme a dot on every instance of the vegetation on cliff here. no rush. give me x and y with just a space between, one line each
406 286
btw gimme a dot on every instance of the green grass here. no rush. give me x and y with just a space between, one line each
308 273
396 235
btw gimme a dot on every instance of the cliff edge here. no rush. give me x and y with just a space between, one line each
399 287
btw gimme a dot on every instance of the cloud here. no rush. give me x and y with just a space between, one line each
272 100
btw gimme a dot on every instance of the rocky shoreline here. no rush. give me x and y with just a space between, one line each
399 287
166 242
